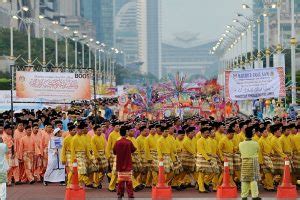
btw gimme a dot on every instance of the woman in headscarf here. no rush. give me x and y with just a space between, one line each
55 171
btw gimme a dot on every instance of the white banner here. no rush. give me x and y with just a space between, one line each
53 85
255 84
5 97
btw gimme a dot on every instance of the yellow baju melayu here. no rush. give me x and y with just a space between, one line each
98 143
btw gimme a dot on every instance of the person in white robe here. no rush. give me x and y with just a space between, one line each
3 169
55 172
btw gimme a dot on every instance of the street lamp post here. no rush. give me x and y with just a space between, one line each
28 23
82 56
293 53
251 47
258 41
99 66
279 48
56 44
110 69
44 47
66 46
56 49
90 58
107 67
90 61
14 15
76 62
267 32
76 41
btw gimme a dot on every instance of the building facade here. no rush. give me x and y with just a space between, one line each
190 56
101 14
126 30
67 13
154 38
285 23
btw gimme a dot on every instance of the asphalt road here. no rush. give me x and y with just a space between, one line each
56 192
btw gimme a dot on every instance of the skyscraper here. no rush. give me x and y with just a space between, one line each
126 30
101 14
149 30
68 13
154 37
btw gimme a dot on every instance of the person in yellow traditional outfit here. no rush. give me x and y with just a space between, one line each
166 154
98 146
220 131
215 155
226 150
91 165
151 157
237 155
265 160
188 155
206 165
286 142
80 152
112 139
178 180
177 167
243 127
257 133
66 152
296 154
136 162
278 154
141 147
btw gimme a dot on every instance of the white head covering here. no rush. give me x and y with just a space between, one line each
56 131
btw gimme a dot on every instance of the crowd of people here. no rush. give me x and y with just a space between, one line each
193 149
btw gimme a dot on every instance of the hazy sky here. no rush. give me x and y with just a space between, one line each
206 17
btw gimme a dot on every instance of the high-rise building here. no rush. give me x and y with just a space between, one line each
154 37
149 33
101 14
285 23
68 13
126 30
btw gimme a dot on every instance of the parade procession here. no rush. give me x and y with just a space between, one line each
149 99
42 147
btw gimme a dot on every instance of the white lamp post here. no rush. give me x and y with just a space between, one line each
90 59
279 48
293 53
56 44
267 33
75 40
44 47
66 48
14 15
82 46
28 22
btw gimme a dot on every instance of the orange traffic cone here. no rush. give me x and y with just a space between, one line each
161 191
74 192
225 190
286 190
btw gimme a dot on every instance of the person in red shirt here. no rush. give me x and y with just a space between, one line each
123 150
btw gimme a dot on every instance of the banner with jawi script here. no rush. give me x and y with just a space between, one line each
53 85
255 84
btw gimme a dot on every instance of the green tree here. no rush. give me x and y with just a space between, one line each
123 75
